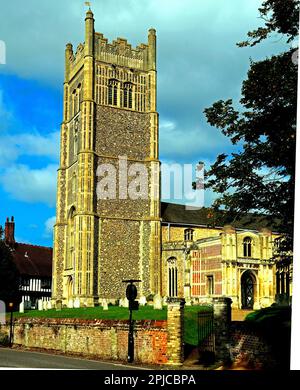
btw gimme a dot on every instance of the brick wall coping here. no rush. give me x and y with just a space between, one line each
102 323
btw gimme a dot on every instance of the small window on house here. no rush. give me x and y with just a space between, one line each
247 243
46 283
188 235
25 282
210 284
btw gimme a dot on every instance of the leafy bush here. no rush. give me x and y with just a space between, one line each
4 339
275 325
273 315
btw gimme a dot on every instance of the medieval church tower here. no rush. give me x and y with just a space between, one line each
110 118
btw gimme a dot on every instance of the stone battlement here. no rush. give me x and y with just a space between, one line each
118 52
120 46
121 52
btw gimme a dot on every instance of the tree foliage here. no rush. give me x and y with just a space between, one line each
260 177
281 16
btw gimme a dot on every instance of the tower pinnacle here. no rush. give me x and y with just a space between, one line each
89 12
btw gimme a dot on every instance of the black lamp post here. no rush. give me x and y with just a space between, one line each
131 294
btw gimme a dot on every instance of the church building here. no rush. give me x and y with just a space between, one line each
201 259
110 120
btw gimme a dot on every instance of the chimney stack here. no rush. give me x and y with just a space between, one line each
10 231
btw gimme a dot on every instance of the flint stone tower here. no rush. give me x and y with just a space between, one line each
109 111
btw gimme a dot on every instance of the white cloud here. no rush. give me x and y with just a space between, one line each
49 226
28 144
30 185
8 153
190 142
27 182
167 125
35 144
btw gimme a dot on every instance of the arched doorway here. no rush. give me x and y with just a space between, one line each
248 290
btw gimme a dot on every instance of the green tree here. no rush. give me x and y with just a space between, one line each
260 177
9 276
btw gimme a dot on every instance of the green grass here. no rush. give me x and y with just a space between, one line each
121 313
91 313
191 323
270 315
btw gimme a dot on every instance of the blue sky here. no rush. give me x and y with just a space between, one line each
198 64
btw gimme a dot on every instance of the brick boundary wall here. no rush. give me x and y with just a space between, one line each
248 345
106 339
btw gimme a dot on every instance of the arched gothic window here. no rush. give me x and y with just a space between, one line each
75 100
127 95
73 103
78 95
113 92
172 277
75 146
71 249
247 244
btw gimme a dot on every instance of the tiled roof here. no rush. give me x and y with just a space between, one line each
33 260
177 213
